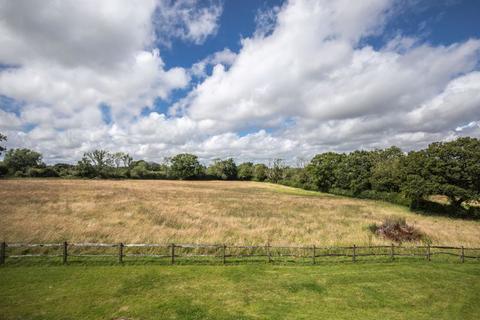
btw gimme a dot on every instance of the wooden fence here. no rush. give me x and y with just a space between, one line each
171 253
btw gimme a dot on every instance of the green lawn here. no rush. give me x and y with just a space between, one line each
399 290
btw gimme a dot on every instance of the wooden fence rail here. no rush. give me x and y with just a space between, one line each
224 252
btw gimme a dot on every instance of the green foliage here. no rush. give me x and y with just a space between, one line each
2 138
186 166
85 169
47 172
276 173
260 172
147 170
223 169
444 168
22 159
245 171
324 169
3 169
386 175
354 172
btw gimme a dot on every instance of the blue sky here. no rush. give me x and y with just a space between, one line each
253 80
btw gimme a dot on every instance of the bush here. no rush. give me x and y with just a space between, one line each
3 169
396 229
47 172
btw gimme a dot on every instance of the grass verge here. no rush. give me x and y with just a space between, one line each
400 290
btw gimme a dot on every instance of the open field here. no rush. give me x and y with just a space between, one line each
137 211
405 290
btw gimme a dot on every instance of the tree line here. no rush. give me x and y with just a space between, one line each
450 169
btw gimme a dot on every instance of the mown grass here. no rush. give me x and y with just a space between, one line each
400 290
233 212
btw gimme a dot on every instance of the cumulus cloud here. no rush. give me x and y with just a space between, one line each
313 73
305 82
190 20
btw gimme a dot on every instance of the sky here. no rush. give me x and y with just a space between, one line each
253 79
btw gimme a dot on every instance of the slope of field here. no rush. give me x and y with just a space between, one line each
351 291
201 212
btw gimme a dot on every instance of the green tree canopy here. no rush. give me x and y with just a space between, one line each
323 170
245 171
223 169
185 166
446 168
22 159
260 172
2 148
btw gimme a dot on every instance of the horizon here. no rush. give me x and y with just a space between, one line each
252 81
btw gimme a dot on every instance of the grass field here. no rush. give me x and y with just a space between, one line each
401 290
50 210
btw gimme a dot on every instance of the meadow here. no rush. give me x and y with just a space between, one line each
233 212
156 211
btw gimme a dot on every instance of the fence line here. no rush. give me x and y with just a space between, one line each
224 252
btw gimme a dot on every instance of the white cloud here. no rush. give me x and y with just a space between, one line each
304 83
189 20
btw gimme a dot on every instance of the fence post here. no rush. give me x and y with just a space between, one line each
65 252
354 257
120 253
392 252
313 254
428 252
268 253
223 252
3 248
462 257
172 253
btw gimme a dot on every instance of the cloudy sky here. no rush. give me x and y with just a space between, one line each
253 80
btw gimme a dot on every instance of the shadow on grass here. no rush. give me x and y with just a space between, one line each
430 208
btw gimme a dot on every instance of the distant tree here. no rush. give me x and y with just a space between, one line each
354 172
2 148
102 161
85 169
223 169
245 171
22 159
121 159
444 168
260 172
100 158
387 170
118 159
276 172
185 166
64 169
323 170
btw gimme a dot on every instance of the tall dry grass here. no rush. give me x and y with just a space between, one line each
132 211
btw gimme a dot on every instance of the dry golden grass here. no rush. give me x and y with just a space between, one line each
136 211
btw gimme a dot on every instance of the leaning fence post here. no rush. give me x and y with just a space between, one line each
3 248
313 254
392 252
65 252
354 257
223 253
120 253
462 257
172 253
428 252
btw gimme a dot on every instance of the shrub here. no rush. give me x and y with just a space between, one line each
396 229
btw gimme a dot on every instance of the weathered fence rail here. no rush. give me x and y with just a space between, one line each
224 253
